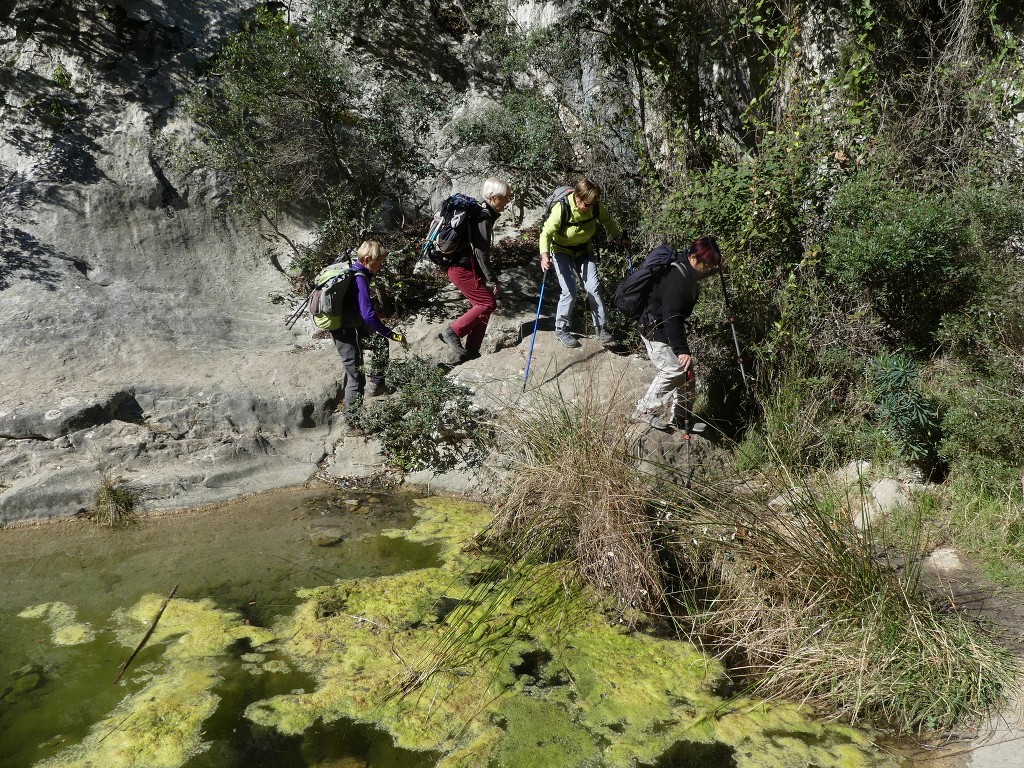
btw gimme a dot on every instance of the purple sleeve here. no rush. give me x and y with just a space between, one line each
366 310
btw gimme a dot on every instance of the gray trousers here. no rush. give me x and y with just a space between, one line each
348 342
565 270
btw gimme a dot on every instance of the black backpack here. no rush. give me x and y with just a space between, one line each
632 294
450 229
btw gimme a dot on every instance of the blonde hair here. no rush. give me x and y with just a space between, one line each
369 251
495 187
586 191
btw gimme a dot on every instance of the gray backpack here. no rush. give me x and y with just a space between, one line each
330 287
560 197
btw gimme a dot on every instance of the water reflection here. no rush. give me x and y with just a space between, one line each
248 556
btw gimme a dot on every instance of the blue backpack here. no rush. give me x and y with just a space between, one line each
632 294
450 229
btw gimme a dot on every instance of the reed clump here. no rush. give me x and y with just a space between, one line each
771 576
803 605
574 494
116 504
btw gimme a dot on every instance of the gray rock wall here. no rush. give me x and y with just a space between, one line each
140 331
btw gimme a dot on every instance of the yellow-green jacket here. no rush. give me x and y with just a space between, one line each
580 228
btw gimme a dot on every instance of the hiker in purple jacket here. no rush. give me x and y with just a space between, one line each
359 321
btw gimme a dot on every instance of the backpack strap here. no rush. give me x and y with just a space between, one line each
563 206
567 213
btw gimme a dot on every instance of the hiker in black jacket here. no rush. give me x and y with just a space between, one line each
669 400
471 272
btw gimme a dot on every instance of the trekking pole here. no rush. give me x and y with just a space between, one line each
431 237
688 428
294 317
732 325
686 446
536 322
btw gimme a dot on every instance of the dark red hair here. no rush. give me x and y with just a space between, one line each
706 251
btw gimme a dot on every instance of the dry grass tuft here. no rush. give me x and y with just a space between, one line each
771 576
803 607
575 494
116 505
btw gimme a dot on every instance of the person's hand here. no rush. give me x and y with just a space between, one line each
685 361
545 262
400 338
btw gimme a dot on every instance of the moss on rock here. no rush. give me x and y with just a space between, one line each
484 663
440 663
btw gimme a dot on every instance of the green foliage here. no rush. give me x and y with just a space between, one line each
909 417
988 333
471 16
983 513
430 421
294 127
806 419
380 355
61 76
984 418
525 139
909 250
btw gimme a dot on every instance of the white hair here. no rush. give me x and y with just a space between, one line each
493 186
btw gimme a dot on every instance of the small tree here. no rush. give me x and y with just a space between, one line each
296 128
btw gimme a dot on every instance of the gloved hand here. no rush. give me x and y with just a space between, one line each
400 338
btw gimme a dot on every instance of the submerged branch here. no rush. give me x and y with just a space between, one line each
145 638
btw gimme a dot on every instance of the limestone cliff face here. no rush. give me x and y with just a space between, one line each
139 327
142 321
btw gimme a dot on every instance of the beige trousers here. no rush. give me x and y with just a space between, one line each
672 393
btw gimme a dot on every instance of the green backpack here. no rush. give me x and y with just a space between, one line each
329 289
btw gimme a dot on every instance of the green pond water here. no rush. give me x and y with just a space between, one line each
248 557
555 685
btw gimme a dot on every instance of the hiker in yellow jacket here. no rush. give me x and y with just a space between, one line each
565 241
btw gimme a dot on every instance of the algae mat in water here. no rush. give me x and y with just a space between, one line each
463 669
77 598
525 676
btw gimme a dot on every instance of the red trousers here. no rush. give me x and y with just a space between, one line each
472 326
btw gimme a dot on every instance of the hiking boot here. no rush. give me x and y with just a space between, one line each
450 338
653 421
697 427
603 336
566 338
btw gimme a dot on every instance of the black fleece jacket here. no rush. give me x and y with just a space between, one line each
670 304
479 245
